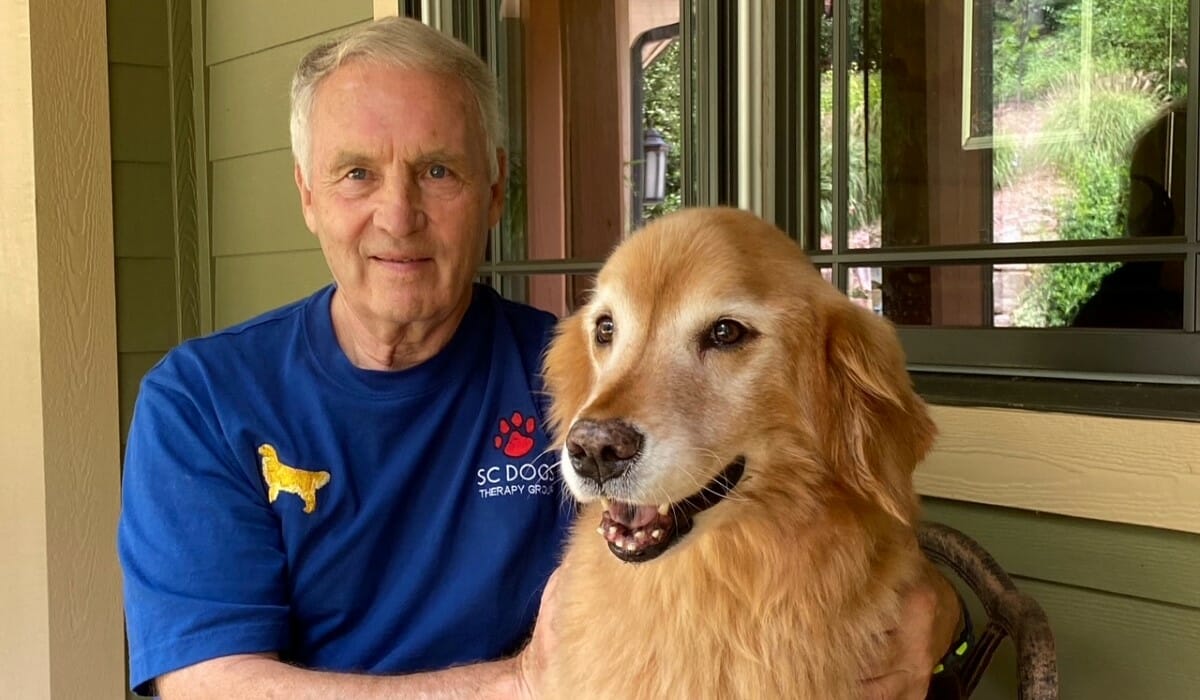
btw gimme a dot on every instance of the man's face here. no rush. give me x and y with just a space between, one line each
399 198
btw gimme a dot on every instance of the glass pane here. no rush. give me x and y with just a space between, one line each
636 59
825 99
1131 294
862 173
979 121
656 83
511 241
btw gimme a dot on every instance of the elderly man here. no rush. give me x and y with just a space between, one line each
351 496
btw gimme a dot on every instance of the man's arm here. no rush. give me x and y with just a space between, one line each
264 676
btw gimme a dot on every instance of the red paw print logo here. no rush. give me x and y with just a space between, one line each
514 435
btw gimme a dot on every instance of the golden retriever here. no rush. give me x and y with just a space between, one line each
741 438
289 479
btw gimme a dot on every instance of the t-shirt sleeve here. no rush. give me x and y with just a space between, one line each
202 553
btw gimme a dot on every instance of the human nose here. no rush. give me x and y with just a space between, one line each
398 207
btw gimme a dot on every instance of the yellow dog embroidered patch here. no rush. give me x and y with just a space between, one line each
281 477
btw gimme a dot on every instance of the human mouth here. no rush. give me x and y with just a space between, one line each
401 263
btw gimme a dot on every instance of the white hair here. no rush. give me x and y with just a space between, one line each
403 43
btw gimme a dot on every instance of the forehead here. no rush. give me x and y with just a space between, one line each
701 265
378 103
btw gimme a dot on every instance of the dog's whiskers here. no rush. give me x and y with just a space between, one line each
703 485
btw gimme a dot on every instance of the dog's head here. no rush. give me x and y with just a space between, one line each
714 367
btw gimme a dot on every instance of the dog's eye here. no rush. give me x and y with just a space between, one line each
726 333
604 330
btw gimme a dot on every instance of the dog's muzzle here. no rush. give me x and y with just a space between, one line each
639 533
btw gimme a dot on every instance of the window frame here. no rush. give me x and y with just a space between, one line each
707 32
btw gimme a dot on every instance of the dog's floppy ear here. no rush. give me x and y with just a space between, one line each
567 371
875 427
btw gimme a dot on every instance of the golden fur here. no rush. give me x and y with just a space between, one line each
783 588
281 477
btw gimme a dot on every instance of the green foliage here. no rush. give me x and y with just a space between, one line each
1015 46
662 111
1095 210
1119 107
864 171
1144 36
1097 166
1006 162
1136 49
865 21
1038 42
1057 291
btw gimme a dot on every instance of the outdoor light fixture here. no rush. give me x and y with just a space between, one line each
654 167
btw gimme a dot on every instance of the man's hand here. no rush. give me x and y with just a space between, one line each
928 623
531 662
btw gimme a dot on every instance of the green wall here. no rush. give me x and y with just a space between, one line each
143 193
1124 601
206 215
262 254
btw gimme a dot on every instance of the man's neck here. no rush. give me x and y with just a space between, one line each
390 347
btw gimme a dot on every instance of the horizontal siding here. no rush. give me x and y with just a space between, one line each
141 113
131 367
248 100
238 27
143 217
1127 560
137 32
255 206
246 285
1122 600
143 195
146 308
1110 647
1143 472
263 255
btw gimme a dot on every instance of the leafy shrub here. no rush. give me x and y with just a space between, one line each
662 111
864 171
1097 165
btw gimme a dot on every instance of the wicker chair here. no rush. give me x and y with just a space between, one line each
1009 613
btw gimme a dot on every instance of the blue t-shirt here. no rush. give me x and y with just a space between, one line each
277 498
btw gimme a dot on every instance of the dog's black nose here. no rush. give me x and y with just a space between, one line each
602 449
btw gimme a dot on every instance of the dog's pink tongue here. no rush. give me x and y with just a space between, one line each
631 516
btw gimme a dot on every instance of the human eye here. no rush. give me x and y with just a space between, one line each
440 179
357 174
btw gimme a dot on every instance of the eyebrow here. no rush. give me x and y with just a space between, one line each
346 159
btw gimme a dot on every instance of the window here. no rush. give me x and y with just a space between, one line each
582 131
1009 181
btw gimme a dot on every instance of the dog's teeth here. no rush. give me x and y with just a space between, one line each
600 531
605 503
664 509
657 534
639 535
630 546
612 531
